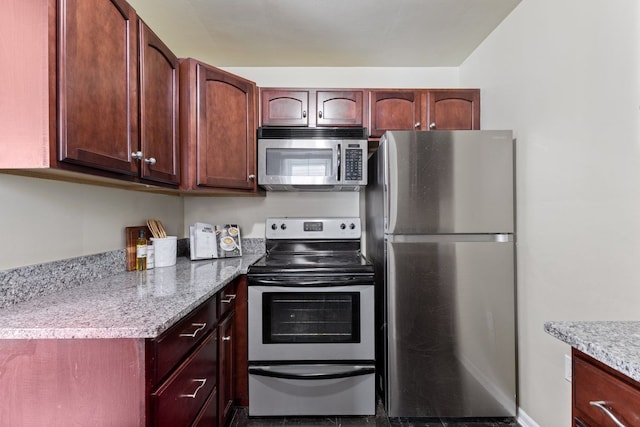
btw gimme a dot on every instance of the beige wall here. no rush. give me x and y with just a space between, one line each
565 76
43 220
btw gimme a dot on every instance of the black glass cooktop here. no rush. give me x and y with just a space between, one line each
340 262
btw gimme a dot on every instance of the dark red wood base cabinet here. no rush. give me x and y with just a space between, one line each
602 397
185 377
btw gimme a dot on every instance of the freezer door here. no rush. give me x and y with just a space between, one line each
450 323
448 182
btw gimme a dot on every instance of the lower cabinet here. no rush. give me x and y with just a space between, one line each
185 377
602 397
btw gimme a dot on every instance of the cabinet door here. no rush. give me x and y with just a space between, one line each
158 109
285 108
225 368
454 109
339 108
226 131
97 84
394 110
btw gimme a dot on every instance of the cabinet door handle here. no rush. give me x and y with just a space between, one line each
417 125
304 114
202 382
228 299
150 161
252 177
600 404
226 338
136 155
199 327
432 125
319 114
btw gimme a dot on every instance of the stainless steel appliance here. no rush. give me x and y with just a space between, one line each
311 317
312 159
440 231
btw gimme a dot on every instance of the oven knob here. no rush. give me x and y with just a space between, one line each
283 226
274 227
343 226
352 226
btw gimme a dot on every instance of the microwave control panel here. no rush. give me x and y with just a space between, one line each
353 163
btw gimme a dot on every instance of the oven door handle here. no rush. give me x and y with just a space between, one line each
329 281
270 372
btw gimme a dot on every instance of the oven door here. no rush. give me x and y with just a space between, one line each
311 322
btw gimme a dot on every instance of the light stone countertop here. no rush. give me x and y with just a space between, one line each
125 305
614 343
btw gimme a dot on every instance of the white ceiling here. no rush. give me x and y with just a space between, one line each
325 33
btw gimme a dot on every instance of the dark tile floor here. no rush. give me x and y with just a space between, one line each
241 419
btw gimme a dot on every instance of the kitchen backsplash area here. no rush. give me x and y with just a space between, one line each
25 283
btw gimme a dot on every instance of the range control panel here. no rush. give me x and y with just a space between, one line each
313 228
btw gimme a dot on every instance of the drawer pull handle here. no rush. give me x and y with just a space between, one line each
228 299
601 405
202 382
199 327
226 338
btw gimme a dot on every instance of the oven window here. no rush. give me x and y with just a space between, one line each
311 317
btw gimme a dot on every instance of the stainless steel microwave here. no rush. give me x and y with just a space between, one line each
312 159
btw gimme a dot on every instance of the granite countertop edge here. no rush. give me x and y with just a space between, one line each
614 343
125 305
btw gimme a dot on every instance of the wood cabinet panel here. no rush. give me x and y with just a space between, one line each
179 400
454 109
159 136
595 382
97 83
218 131
241 349
339 108
394 110
285 107
177 341
226 392
97 382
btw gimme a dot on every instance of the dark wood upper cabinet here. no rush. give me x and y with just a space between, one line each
426 109
285 107
340 108
159 136
456 109
312 107
394 110
97 84
218 128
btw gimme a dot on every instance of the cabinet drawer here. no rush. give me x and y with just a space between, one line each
593 383
179 399
174 344
208 416
226 299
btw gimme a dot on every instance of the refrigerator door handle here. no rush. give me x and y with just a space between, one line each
444 238
385 185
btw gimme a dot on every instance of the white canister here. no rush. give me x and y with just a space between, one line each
165 249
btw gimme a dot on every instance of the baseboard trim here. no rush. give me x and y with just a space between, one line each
525 420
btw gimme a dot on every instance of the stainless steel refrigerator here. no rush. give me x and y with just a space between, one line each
440 231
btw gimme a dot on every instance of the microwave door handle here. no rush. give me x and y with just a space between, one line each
358 370
338 164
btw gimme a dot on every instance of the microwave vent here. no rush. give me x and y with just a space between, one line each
311 133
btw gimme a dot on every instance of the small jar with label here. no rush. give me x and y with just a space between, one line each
150 255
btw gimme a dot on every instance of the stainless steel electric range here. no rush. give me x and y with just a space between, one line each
311 317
